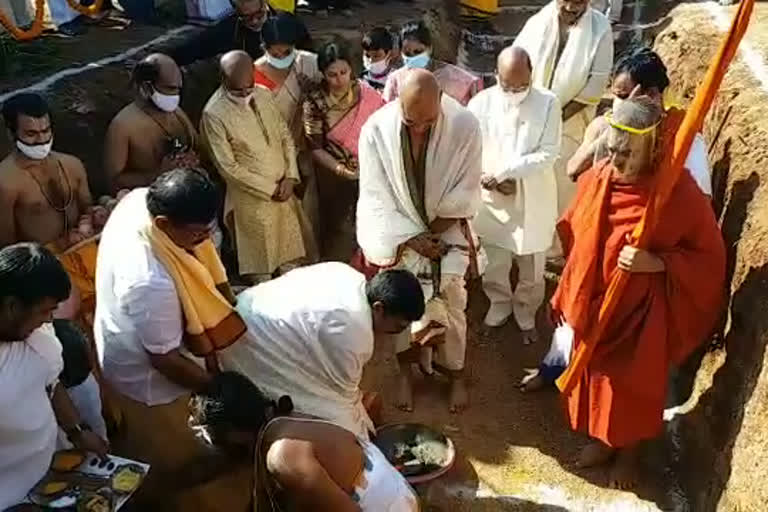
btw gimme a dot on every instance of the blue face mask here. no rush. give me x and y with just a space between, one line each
417 61
283 63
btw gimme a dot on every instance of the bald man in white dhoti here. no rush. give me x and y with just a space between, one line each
420 165
571 48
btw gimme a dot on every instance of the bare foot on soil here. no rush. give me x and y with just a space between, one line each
404 399
533 381
530 336
459 397
624 472
594 454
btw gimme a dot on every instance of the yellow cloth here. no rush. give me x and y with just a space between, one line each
283 5
479 8
80 264
211 321
253 151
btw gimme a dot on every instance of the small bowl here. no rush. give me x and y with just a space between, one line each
388 436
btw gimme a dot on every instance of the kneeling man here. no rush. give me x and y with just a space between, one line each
311 331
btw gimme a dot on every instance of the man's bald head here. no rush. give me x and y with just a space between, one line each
159 72
513 68
237 71
420 99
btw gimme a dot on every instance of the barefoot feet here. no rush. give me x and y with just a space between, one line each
624 474
533 381
459 397
594 454
404 397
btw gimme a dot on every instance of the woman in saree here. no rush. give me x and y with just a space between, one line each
416 48
289 74
334 112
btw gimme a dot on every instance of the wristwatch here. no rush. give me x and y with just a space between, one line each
75 430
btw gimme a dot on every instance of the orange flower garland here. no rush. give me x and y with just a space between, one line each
25 35
88 11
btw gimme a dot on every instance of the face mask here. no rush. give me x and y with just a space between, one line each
283 63
616 103
36 151
376 68
417 61
165 102
238 100
514 99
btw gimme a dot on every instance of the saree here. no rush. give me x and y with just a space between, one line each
334 126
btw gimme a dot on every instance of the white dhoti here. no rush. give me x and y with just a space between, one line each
387 216
451 353
528 295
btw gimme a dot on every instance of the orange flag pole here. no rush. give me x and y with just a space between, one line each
667 176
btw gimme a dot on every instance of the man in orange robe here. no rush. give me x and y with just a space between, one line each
672 300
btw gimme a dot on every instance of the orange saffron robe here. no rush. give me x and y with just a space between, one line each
661 318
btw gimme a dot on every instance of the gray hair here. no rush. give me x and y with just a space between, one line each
638 113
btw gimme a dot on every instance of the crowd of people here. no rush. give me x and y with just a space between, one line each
240 383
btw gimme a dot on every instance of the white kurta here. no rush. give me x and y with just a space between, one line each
28 427
520 143
310 332
580 74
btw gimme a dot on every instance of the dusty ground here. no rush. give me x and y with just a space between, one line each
514 450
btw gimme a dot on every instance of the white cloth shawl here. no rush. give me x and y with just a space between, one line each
310 332
540 38
386 215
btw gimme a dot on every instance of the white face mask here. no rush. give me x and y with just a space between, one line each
376 68
239 100
165 102
616 103
283 63
514 99
36 151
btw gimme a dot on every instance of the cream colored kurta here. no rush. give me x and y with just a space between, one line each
520 143
253 150
577 70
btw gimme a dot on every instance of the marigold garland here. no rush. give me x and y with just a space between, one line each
91 10
37 25
32 32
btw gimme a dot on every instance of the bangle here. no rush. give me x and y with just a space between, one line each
75 430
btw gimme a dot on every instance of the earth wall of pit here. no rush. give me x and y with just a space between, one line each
720 438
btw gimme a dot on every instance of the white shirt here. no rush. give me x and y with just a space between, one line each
137 312
520 143
310 333
28 427
697 163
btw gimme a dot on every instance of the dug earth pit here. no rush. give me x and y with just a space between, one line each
718 436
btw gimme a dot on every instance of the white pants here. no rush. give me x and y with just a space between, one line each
529 292
450 354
